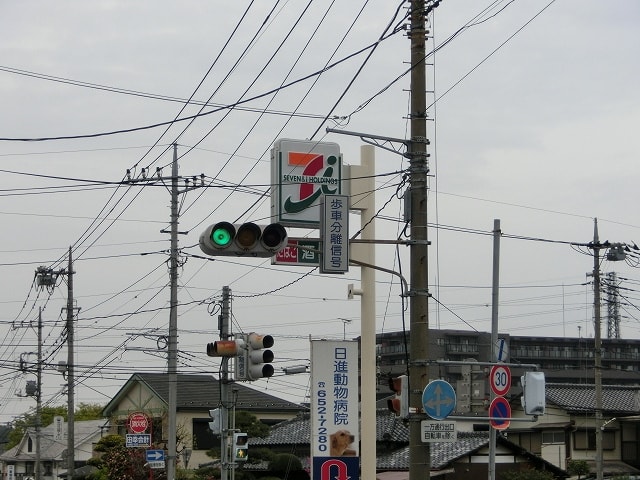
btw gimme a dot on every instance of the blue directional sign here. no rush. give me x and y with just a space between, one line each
439 399
155 455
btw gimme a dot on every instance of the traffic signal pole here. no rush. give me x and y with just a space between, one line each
224 388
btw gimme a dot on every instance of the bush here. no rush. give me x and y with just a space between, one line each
527 475
284 463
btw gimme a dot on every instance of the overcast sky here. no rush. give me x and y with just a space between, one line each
534 108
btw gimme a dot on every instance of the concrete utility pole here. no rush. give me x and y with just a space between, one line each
598 348
172 347
39 399
172 364
419 452
70 373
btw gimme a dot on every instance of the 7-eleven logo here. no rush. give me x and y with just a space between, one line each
315 174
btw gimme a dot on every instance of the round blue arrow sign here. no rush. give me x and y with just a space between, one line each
438 399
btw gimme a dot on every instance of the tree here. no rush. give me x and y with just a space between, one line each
287 465
578 467
85 411
118 462
248 423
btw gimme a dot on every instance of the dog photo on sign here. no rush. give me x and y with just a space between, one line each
340 444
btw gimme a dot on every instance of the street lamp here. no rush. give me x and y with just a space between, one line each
344 327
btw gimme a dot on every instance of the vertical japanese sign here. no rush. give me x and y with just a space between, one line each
11 472
334 234
335 432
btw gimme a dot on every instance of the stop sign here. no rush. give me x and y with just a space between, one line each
138 422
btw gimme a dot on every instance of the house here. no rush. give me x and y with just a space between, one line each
567 429
21 459
148 393
465 458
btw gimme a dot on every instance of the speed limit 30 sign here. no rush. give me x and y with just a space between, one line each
500 379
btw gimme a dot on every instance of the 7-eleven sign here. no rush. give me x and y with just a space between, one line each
302 172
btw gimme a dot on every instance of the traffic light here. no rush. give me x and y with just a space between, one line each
246 239
215 425
533 393
240 447
259 358
225 348
400 403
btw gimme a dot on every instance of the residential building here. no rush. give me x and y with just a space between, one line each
148 393
562 359
21 459
566 431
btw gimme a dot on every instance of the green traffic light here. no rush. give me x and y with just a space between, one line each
221 236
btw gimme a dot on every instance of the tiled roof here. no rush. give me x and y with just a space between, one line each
201 392
442 454
393 434
621 399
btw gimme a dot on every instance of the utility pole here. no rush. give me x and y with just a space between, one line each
419 452
172 347
46 277
70 373
172 364
39 399
598 348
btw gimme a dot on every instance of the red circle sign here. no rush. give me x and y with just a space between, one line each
500 379
138 422
500 413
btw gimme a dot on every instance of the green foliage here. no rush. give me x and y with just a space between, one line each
527 475
207 473
119 462
249 423
85 411
285 463
577 467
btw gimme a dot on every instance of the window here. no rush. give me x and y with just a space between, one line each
203 438
556 436
528 440
586 440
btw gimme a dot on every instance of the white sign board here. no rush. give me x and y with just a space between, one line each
334 233
302 172
58 428
138 440
438 431
334 399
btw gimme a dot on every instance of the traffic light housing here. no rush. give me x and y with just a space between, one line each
246 239
215 425
399 404
533 393
240 447
259 357
225 348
